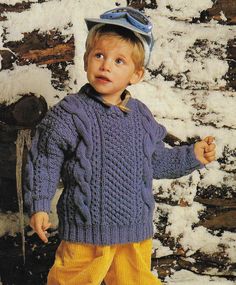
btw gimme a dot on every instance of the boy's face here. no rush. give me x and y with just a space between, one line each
110 67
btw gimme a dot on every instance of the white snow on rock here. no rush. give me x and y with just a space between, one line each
182 9
185 277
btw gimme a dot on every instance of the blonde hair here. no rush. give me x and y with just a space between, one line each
98 30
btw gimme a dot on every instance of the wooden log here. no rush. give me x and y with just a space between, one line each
7 161
201 263
18 7
27 111
231 56
216 202
218 192
50 48
42 48
60 75
165 265
224 220
172 140
8 197
231 49
228 7
36 40
59 53
209 48
8 134
8 58
218 263
141 4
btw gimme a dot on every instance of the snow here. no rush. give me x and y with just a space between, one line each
158 96
205 73
186 277
177 190
217 177
199 70
25 79
182 8
160 250
171 46
13 2
36 18
222 16
9 223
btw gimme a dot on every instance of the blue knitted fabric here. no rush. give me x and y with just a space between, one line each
107 160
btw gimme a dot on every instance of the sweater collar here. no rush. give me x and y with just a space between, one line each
125 97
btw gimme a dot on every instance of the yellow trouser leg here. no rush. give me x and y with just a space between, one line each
131 265
80 264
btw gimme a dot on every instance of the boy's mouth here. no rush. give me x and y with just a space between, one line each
103 79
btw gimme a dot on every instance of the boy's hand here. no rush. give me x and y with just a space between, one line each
39 222
205 150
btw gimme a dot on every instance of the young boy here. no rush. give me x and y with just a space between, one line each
107 147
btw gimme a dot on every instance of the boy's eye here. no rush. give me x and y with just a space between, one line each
120 61
98 55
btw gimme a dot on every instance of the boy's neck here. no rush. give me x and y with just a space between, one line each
114 100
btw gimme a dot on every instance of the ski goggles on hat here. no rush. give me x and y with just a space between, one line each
135 17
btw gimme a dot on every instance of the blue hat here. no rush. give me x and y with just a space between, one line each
126 18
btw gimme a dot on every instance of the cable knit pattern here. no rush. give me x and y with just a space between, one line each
107 160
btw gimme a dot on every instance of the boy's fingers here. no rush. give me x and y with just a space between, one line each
205 150
212 158
39 230
47 226
209 154
210 151
209 139
203 145
211 147
204 161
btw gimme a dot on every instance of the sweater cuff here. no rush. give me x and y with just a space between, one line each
193 162
40 206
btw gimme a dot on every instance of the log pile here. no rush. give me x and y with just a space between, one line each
56 52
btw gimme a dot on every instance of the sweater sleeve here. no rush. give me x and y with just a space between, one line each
173 162
52 140
168 162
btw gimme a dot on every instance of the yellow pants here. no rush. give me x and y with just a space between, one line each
85 264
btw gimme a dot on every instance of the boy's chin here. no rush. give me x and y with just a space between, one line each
103 90
97 89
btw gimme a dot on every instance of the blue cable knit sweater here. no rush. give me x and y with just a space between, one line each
107 160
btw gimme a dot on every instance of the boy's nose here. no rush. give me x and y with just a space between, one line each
106 65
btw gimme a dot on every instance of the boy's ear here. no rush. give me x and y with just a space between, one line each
85 62
137 75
